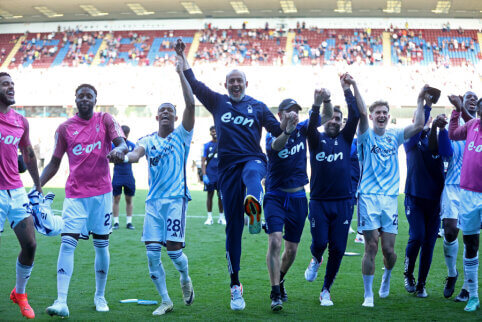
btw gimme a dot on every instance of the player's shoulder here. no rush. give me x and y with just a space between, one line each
147 137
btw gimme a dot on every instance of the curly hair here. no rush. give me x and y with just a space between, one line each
88 86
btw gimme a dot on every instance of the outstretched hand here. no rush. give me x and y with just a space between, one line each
346 81
116 156
321 95
440 121
456 101
292 121
180 46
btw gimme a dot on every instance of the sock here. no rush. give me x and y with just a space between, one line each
235 279
471 266
23 274
275 289
210 214
385 286
156 270
179 259
116 220
102 262
465 286
65 267
450 252
129 220
368 285
281 275
221 215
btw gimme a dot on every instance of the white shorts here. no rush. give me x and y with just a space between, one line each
91 214
13 206
378 211
450 201
470 212
165 220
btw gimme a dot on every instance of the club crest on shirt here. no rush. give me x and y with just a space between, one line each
250 109
97 128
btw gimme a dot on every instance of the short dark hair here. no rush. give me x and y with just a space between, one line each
212 128
88 86
338 110
126 129
378 103
5 74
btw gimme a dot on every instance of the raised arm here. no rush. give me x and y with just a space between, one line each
312 131
360 103
413 141
353 110
417 125
456 132
433 140
327 111
189 111
289 121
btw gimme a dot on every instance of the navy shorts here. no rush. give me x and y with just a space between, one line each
211 186
288 210
129 188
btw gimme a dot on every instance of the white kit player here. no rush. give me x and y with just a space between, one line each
378 189
166 205
14 134
86 138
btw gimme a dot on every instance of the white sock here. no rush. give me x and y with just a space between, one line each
179 259
23 274
368 285
385 286
156 270
116 220
221 215
465 286
129 220
450 251
210 215
471 266
102 262
65 267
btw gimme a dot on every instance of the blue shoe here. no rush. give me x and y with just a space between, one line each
472 305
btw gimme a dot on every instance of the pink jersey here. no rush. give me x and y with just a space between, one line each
471 132
87 144
13 134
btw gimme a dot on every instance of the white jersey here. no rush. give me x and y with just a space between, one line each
166 161
455 163
378 157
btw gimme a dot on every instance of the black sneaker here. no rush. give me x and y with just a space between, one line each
450 285
116 226
284 295
463 296
409 283
421 291
130 226
276 302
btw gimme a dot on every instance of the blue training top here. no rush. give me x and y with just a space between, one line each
425 169
124 170
355 167
210 152
330 157
238 124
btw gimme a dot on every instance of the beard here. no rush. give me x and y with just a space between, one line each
5 100
237 99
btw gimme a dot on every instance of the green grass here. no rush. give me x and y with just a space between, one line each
129 278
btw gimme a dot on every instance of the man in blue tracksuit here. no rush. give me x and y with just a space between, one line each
331 198
423 189
239 120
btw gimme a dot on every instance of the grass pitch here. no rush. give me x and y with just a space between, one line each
129 278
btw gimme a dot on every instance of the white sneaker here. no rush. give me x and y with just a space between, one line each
237 300
359 239
187 292
325 298
311 271
209 221
222 220
368 302
101 304
164 308
351 231
58 308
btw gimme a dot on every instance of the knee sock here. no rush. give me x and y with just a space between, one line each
450 251
65 266
102 262
385 286
368 285
471 266
23 274
156 270
179 259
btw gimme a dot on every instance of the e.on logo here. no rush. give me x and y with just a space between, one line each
472 146
9 139
79 149
228 117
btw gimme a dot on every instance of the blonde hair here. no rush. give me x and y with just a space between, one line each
378 103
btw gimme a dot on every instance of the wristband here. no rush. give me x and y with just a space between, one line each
126 159
286 133
327 101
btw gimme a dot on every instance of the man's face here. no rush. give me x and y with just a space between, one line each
166 115
7 91
213 133
470 102
236 85
333 126
85 99
380 117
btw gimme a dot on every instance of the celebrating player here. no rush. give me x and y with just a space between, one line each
451 197
86 138
378 190
166 204
331 198
423 188
239 120
14 134
470 207
124 178
209 166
